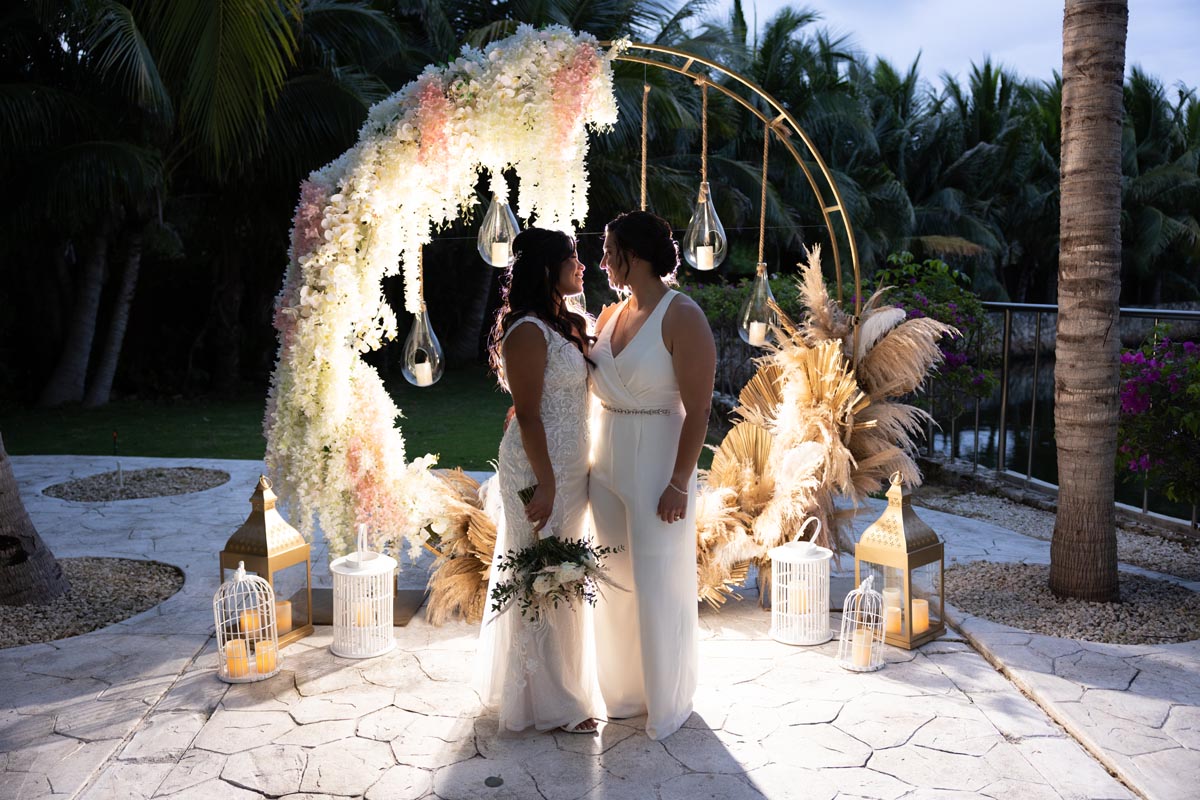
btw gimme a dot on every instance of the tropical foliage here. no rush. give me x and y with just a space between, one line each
159 166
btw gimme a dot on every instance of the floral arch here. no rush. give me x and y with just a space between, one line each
333 448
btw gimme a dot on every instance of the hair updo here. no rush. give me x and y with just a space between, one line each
647 236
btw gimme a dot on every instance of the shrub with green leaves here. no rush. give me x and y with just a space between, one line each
931 288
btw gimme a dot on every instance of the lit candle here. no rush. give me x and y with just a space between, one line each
893 619
704 256
264 657
920 616
423 372
758 333
283 616
362 613
500 253
797 598
250 621
237 661
861 649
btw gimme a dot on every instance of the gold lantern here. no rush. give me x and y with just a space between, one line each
268 546
907 559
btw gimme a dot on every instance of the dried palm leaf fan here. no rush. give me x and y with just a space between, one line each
760 396
724 547
459 577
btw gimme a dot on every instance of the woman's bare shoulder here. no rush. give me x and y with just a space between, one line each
605 314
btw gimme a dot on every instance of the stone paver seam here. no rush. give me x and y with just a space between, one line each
120 748
1065 723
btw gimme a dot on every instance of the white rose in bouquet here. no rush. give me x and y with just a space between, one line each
544 583
570 572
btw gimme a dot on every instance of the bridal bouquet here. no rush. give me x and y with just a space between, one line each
549 572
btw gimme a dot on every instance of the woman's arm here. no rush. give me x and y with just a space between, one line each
694 358
525 368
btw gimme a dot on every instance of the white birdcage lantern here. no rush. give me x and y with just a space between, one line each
800 591
247 636
860 648
362 602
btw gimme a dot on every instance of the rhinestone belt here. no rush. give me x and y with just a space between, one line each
666 412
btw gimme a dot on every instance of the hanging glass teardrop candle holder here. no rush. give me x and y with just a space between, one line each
424 361
757 318
704 243
496 233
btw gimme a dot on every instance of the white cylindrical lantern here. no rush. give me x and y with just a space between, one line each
800 592
247 637
362 602
861 646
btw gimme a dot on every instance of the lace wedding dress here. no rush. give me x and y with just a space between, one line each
543 675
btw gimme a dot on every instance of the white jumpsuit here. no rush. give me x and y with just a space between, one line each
646 637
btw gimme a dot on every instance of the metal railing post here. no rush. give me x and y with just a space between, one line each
1002 439
1037 352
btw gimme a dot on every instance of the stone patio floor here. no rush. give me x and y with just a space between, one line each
134 710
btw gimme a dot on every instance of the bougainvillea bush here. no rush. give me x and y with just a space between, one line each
1159 434
931 288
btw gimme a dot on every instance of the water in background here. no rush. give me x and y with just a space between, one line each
1025 405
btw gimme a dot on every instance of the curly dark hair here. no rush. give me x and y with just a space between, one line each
647 236
530 287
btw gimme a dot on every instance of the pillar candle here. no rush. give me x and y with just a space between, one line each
283 616
361 613
237 660
704 257
893 617
861 649
423 372
500 253
265 656
797 598
250 621
758 333
920 616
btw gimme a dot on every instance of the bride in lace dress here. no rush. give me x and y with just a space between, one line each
543 675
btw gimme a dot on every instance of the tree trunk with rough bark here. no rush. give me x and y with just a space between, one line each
100 389
28 571
66 384
1083 552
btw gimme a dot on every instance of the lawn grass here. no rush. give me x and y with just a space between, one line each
460 418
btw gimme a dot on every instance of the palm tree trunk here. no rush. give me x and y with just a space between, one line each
1083 552
100 390
28 571
67 382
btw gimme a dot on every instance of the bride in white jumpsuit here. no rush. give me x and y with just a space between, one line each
654 362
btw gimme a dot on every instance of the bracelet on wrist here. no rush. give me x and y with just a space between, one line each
676 488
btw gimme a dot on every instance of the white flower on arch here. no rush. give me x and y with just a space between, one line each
523 103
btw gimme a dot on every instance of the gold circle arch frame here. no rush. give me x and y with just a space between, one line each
786 130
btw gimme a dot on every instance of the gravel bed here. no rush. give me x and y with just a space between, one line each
1139 544
103 591
138 483
1150 612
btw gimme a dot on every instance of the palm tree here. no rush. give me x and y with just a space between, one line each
1083 552
1160 221
29 572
